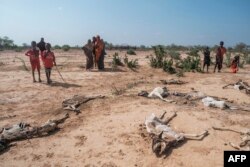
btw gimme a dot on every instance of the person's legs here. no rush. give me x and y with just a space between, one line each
33 75
50 75
47 75
207 68
216 64
204 66
39 74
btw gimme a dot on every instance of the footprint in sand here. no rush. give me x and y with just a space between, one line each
81 140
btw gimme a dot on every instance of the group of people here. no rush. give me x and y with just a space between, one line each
219 59
47 57
95 52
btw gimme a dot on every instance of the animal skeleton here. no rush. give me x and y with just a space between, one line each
74 103
164 137
244 145
25 131
158 92
240 85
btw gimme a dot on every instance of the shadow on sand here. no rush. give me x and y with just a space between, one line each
109 70
64 85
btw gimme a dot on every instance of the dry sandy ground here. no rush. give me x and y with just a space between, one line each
106 133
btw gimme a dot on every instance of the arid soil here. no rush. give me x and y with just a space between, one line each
106 132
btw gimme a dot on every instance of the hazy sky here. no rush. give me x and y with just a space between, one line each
135 22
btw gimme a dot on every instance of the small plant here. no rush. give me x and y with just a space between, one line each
116 91
117 60
66 48
228 60
57 47
157 61
168 66
189 64
131 63
247 58
131 52
174 55
180 73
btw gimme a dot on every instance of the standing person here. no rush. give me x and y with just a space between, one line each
206 58
88 50
93 45
235 64
49 60
99 46
41 45
219 56
101 60
33 54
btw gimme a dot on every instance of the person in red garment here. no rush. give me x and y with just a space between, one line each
49 61
235 64
219 57
33 54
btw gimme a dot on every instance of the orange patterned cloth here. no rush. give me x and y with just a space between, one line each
99 46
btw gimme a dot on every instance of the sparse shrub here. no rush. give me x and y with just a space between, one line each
241 64
189 64
227 61
57 47
130 63
168 66
131 52
116 60
174 55
18 49
117 91
247 58
180 73
66 48
157 61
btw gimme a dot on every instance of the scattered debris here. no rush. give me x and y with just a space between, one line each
23 62
240 85
26 131
74 103
244 145
163 136
173 82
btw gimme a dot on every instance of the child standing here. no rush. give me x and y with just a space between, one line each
235 64
33 54
206 59
49 60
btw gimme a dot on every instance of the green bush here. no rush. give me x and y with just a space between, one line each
131 52
174 55
189 64
57 47
157 61
66 48
168 66
116 60
131 63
